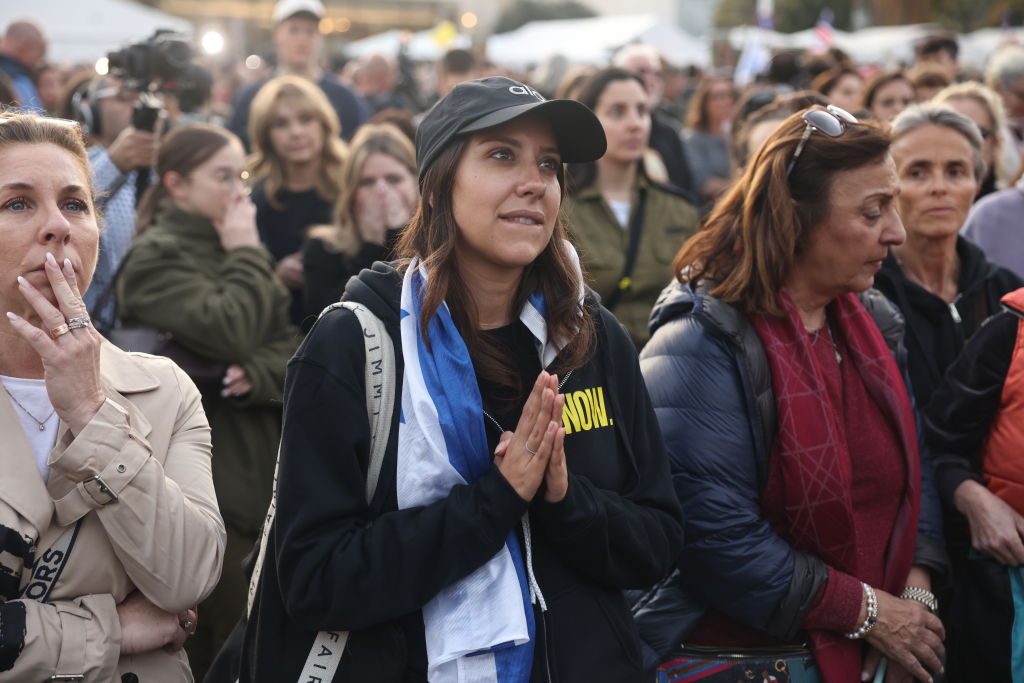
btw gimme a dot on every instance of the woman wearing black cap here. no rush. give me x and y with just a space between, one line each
512 507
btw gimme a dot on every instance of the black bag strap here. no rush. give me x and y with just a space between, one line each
105 297
636 228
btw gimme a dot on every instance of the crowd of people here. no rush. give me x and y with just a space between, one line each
620 372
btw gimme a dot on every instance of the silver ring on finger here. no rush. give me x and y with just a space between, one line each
79 323
60 330
528 449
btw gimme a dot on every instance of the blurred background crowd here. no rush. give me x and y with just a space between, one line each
325 98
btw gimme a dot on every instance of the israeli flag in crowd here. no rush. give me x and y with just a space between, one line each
481 628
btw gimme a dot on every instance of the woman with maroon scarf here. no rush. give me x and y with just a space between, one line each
776 373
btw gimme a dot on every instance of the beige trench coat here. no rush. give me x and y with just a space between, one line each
150 444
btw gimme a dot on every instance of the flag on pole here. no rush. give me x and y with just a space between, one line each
823 30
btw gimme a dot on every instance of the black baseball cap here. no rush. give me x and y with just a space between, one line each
486 102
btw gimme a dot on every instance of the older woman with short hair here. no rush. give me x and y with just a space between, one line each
776 379
943 284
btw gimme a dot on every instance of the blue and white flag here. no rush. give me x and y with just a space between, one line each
481 628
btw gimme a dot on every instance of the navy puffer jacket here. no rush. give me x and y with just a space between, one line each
710 383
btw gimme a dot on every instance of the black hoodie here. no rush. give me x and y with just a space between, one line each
333 562
936 331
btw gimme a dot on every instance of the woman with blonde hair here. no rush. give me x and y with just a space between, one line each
295 171
378 195
982 105
110 529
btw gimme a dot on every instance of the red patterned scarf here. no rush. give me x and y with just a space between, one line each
808 495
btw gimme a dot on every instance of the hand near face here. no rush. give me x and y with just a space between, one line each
238 226
71 361
397 209
373 220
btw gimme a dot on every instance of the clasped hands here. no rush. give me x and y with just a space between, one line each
534 455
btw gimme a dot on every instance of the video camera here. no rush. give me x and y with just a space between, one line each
161 63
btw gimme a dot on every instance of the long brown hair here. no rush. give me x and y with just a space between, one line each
432 235
182 151
750 241
697 117
265 164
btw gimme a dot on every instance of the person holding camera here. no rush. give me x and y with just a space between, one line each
117 153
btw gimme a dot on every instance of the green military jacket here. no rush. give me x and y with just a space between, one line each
603 243
229 307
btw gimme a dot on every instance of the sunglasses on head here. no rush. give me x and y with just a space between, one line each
831 121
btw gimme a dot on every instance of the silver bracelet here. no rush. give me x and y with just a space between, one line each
872 617
925 597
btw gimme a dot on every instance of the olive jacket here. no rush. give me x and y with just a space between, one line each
155 528
669 220
229 307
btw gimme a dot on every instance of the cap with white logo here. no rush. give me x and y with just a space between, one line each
286 9
487 102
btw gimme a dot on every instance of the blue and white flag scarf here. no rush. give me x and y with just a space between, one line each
481 628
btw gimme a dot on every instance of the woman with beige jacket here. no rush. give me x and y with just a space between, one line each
109 529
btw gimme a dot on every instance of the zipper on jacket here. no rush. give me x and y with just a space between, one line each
955 313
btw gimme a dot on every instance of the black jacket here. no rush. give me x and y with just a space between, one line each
710 382
335 563
957 423
963 407
934 336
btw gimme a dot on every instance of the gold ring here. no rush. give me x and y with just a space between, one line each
60 330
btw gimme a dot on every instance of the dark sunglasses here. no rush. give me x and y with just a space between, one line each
831 121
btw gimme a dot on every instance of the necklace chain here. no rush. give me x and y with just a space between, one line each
40 423
498 424
816 335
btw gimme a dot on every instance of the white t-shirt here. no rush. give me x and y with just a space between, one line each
621 210
35 403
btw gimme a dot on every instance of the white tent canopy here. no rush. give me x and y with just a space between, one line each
422 46
86 31
882 45
593 40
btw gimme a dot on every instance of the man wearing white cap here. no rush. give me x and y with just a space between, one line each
297 41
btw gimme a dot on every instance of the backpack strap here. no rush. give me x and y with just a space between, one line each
379 372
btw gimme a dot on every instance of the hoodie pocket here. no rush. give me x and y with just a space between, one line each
592 636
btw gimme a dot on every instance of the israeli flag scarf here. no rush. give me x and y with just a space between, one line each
481 628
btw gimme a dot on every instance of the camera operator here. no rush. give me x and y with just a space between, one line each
297 41
117 153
